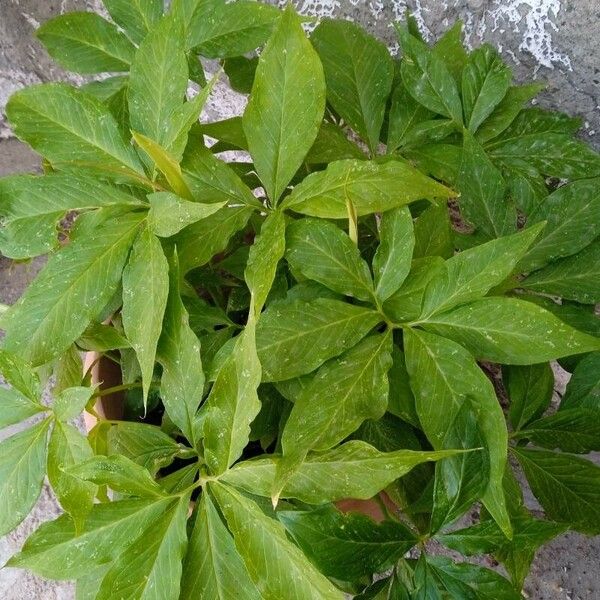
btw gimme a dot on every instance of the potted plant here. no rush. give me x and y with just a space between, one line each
367 301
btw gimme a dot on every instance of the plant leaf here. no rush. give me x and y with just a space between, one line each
353 470
136 17
14 407
71 402
392 261
405 114
324 253
371 186
145 292
20 375
510 331
347 545
294 338
433 232
278 568
286 106
73 288
84 42
583 389
359 72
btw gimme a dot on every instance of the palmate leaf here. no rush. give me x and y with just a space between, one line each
359 72
73 288
212 567
510 331
14 407
370 186
20 375
72 129
286 106
278 568
353 470
84 42
136 17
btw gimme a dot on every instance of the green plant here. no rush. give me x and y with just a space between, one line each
322 323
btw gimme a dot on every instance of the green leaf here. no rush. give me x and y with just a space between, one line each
286 106
182 381
401 398
71 129
84 42
530 390
433 232
505 113
583 389
441 369
526 187
240 71
471 274
510 331
20 375
575 277
151 567
145 292
76 284
575 430
169 213
370 186
67 448
449 48
344 393
567 487
331 145
57 551
347 545
353 470
427 78
485 82
71 402
136 17
321 251
482 200
100 338
295 338
119 473
359 72
158 80
405 114
31 206
220 30
212 567
22 470
278 568
14 407
392 261
564 211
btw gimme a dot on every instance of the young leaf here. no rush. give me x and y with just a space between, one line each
169 213
182 381
84 42
530 391
371 186
485 81
71 402
353 470
432 362
158 80
136 17
472 273
72 289
583 389
71 129
359 73
324 253
119 473
294 338
145 291
22 470
567 487
212 567
343 393
482 200
392 261
510 331
151 566
57 551
286 106
575 277
278 568
347 545
67 448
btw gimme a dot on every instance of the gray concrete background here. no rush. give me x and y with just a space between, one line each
549 40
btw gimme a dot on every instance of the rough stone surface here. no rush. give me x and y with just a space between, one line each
551 40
